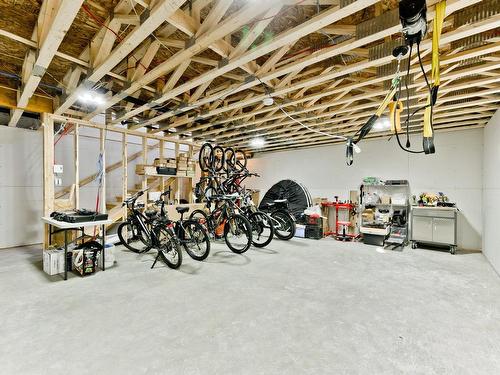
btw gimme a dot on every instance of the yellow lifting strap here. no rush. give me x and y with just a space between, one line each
435 79
395 109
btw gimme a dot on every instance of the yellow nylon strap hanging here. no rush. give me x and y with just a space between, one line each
395 109
436 36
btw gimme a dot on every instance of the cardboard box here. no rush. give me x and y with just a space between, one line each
385 199
53 261
149 169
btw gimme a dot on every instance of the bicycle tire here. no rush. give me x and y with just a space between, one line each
260 221
205 157
241 226
230 159
170 250
136 237
287 225
217 158
240 160
199 235
202 218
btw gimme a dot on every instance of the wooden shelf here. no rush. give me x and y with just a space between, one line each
166 175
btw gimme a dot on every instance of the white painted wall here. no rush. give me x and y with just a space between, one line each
455 169
491 191
21 189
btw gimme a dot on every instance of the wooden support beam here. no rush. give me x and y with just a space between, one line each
76 160
53 22
157 16
327 17
124 172
37 103
204 41
468 30
48 170
102 148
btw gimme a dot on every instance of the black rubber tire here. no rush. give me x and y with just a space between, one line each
244 227
197 232
136 244
230 159
170 250
217 162
287 221
205 157
261 222
202 218
240 160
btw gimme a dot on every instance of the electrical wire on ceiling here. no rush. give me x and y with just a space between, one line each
334 136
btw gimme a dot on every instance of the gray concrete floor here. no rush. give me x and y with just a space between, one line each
299 307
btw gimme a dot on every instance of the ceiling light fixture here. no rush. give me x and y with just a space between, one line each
91 97
267 101
382 124
258 142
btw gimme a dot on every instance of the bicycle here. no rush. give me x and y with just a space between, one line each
142 232
237 230
190 233
283 220
262 224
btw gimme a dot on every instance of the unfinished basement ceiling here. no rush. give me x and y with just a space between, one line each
202 68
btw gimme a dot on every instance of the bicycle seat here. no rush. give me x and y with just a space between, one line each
181 210
150 213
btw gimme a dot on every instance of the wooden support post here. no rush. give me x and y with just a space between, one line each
162 160
190 180
177 182
102 141
76 156
48 171
124 172
145 162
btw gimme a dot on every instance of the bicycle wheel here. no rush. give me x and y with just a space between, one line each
262 229
238 233
133 238
240 160
202 218
284 224
205 157
170 250
209 193
196 241
230 159
217 158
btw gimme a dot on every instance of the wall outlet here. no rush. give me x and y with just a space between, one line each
58 168
58 181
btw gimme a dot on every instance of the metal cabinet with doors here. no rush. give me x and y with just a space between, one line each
434 226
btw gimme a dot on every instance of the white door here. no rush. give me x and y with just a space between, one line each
444 231
421 229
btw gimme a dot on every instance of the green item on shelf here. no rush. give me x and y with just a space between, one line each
371 181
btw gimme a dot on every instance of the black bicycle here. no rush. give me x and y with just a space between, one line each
224 221
262 224
283 220
142 232
190 233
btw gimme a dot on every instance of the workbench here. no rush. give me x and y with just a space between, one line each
63 226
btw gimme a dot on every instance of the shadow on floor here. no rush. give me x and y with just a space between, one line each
228 257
